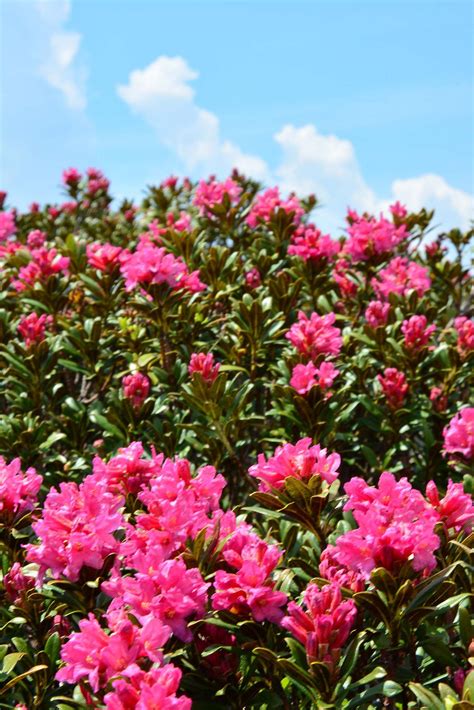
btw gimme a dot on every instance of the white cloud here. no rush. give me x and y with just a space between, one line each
160 93
311 162
60 66
454 208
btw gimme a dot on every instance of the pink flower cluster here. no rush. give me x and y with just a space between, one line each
395 525
142 690
7 225
267 204
18 490
76 529
369 237
71 177
32 328
465 330
417 332
459 434
103 256
401 276
136 388
310 244
456 509
211 193
301 460
205 366
324 627
96 182
253 278
305 377
394 387
249 591
36 239
376 313
44 263
154 265
315 335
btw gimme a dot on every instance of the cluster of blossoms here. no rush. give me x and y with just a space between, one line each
310 244
76 529
44 263
394 387
103 256
32 328
459 434
417 332
376 313
149 264
136 388
465 330
315 335
269 202
7 225
305 377
300 460
395 525
18 490
370 237
205 366
324 627
209 194
401 276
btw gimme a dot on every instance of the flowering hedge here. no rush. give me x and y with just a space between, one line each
236 454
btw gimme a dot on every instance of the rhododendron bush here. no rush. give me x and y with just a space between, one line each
236 453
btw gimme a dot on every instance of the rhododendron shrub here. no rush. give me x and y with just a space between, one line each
235 453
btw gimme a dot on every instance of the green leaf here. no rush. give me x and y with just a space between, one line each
425 696
10 661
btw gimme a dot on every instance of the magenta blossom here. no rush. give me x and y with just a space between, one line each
253 278
370 237
400 277
212 193
136 388
154 265
7 225
465 330
44 263
71 177
376 313
324 627
205 365
305 377
456 509
394 386
301 460
143 690
315 335
267 203
32 328
103 256
459 434
417 332
18 490
310 244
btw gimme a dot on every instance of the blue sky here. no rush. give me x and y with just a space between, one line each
361 102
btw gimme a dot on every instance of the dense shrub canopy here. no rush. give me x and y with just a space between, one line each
237 453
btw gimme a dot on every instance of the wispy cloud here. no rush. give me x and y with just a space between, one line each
61 66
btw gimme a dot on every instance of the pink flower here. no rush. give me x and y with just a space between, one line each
303 378
44 263
209 194
417 333
346 286
301 460
456 509
398 210
18 490
459 434
401 276
325 626
369 237
310 244
253 278
315 335
128 471
71 177
438 399
465 330
326 374
96 181
16 584
376 313
76 529
7 225
91 653
394 387
140 690
331 569
103 256
154 265
395 524
267 204
136 388
205 365
180 224
36 239
32 328
170 182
